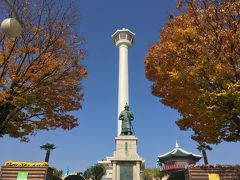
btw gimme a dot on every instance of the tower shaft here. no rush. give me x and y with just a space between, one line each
123 97
123 39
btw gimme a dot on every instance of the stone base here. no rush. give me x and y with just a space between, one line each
126 162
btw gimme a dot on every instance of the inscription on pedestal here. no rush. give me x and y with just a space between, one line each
126 172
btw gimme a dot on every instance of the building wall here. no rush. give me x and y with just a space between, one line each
225 173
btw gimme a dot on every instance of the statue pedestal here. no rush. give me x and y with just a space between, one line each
126 162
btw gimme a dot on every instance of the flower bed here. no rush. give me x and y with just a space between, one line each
26 164
213 166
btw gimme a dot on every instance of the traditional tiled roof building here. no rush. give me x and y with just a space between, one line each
176 160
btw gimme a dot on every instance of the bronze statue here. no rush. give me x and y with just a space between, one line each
126 116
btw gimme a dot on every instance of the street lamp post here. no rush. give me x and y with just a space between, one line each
11 27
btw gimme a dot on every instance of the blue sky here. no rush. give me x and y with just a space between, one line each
154 123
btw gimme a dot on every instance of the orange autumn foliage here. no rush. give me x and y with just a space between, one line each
195 68
41 70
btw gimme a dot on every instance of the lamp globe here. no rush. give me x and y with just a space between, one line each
11 27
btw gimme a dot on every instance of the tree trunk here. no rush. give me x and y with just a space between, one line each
47 156
205 157
4 116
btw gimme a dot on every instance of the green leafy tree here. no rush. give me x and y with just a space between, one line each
157 174
88 174
95 172
98 171
48 148
149 174
238 171
203 148
195 69
57 174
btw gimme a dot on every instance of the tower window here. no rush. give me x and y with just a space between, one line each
129 37
123 35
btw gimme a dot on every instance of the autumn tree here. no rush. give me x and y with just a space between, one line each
195 68
41 70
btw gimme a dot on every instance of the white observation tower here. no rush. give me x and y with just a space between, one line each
123 39
125 162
